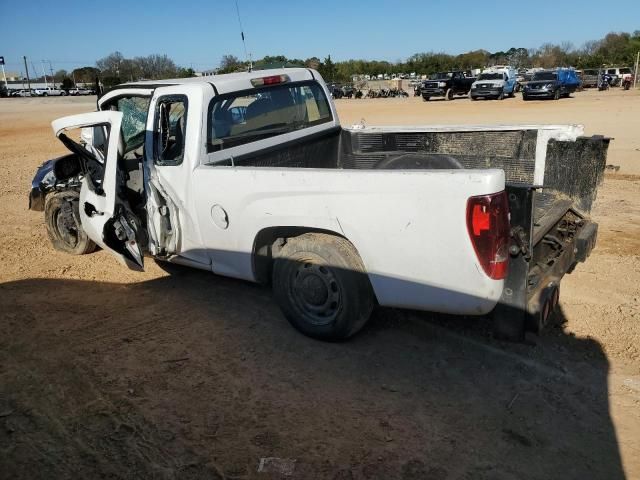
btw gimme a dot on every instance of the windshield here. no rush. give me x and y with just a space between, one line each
544 76
490 76
440 76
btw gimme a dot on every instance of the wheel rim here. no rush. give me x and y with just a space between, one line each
316 292
66 225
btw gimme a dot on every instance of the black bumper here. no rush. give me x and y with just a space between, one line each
433 92
539 93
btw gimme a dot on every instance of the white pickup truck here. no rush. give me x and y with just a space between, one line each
250 175
49 92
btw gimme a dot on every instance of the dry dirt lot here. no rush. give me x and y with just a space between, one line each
106 373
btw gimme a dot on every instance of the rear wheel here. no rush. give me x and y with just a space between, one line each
321 286
62 217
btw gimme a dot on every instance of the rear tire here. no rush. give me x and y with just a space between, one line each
62 218
321 286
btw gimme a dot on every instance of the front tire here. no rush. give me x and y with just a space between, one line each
449 95
62 218
322 287
556 95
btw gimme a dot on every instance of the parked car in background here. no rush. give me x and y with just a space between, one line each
616 74
49 92
494 84
590 77
79 91
21 93
447 85
551 84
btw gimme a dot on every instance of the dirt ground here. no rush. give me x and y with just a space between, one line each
107 373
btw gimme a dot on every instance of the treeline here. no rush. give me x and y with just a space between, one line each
613 49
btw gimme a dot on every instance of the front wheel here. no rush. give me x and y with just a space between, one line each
449 95
321 286
556 95
425 99
62 218
501 96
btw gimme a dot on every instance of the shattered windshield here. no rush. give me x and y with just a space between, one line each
134 120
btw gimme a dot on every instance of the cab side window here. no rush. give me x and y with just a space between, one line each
170 129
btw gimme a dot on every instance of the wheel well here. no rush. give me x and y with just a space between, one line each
269 241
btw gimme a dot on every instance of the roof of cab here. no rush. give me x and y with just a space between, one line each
228 82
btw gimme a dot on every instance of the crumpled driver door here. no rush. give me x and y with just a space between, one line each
106 217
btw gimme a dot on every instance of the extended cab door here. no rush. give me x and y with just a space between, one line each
105 215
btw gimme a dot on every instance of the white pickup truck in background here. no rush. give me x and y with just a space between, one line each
250 175
49 92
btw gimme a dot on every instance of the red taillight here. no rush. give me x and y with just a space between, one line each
488 225
272 80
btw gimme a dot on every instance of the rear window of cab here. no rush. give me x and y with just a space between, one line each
251 115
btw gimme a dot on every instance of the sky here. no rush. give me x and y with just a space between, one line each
197 33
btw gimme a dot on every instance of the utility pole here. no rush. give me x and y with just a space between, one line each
635 73
53 80
44 74
27 70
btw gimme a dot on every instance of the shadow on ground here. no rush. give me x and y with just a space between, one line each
197 376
